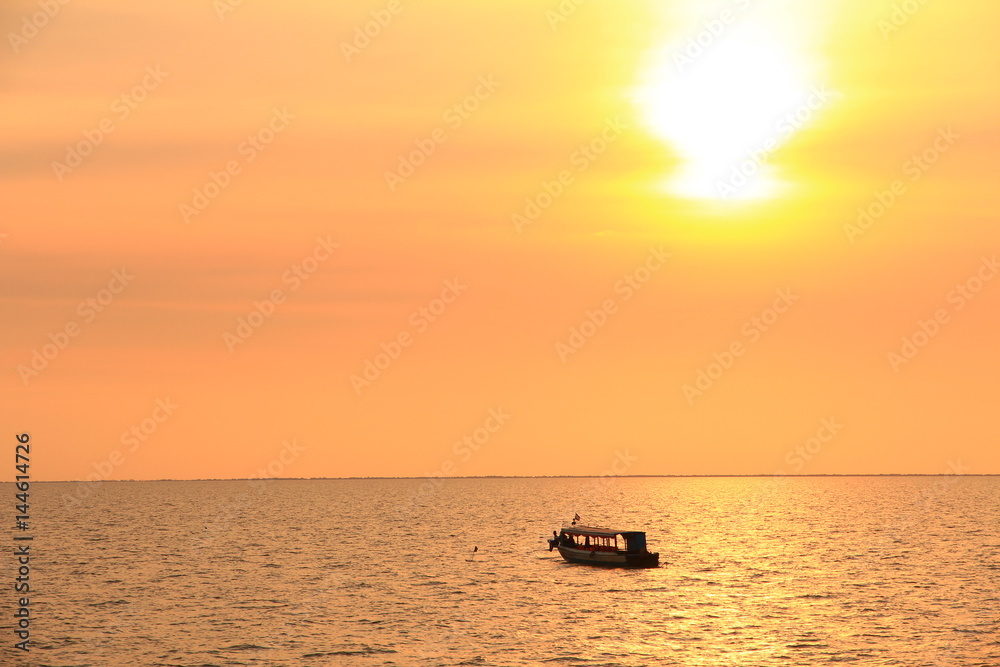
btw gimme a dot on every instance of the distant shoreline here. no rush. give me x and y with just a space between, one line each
312 479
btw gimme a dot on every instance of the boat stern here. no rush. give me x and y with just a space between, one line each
645 559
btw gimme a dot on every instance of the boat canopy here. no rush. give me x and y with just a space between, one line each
635 540
590 530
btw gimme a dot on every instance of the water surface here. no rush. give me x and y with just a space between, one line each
756 572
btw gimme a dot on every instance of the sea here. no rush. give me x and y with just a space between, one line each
755 571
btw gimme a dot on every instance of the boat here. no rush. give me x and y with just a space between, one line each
601 546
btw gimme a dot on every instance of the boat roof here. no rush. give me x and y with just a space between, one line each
604 532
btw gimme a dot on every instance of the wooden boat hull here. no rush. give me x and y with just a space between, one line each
609 558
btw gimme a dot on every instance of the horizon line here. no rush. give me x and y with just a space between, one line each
428 477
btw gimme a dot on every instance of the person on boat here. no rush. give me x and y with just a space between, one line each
554 541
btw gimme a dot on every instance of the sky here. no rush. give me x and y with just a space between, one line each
439 238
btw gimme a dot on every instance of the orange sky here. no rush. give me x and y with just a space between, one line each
619 121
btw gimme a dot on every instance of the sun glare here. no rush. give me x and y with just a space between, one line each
726 103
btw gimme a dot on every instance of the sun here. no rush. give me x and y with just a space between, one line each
725 104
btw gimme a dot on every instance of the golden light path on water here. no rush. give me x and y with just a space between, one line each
731 85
